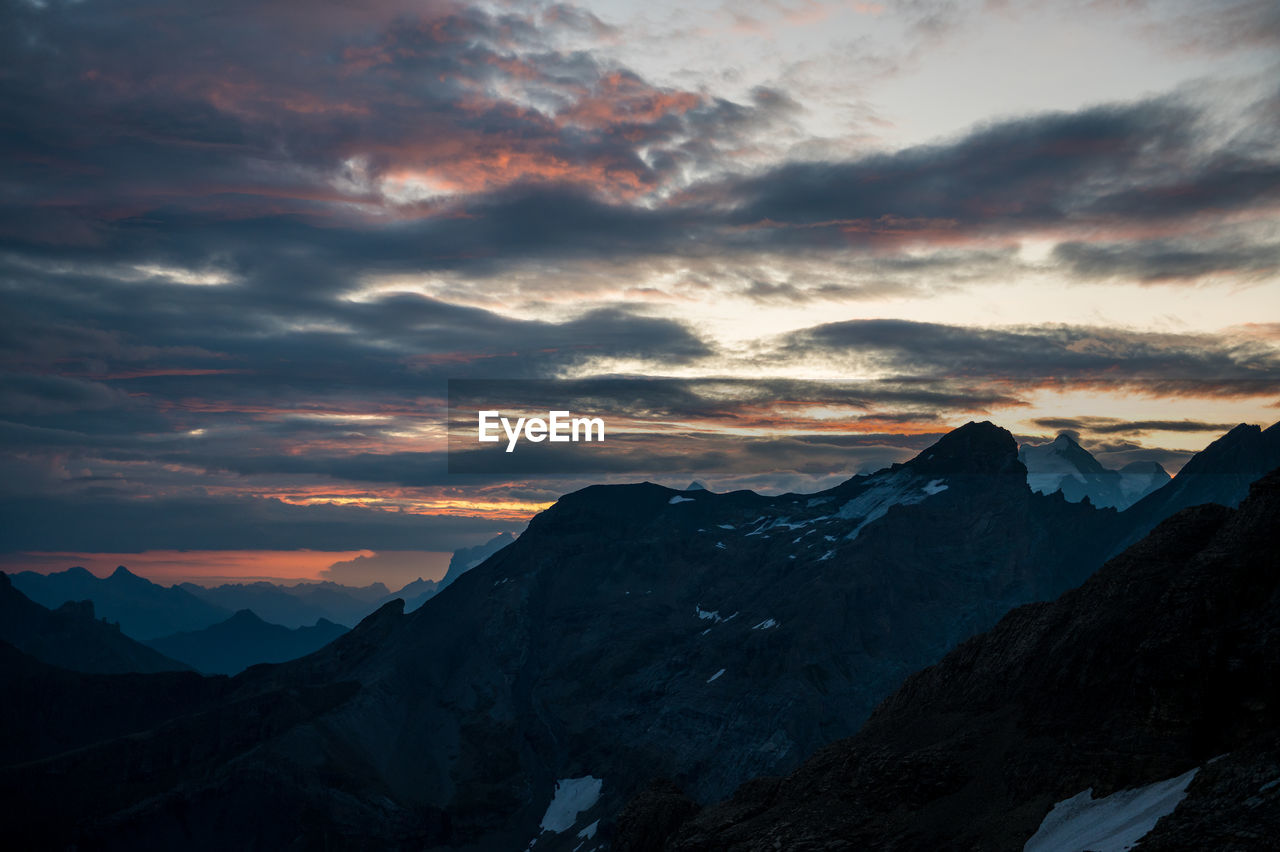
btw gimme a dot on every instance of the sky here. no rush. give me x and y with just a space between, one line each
244 246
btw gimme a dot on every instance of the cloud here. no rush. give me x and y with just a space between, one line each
236 523
1114 426
1059 356
396 568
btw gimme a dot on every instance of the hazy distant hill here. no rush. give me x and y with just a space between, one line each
243 640
71 637
143 609
296 605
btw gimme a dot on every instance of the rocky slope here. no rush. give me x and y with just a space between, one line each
1166 661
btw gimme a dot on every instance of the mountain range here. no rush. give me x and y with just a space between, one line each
143 609
632 632
1077 724
296 605
243 640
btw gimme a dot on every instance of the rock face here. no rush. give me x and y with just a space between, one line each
72 638
1166 660
244 640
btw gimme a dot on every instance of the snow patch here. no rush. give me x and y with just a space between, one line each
572 797
720 546
714 676
713 615
1111 824
678 499
726 526
590 831
766 624
895 489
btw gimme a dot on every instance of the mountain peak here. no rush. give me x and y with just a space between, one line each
972 448
124 575
245 617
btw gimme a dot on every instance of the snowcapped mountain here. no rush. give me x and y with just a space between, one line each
1063 465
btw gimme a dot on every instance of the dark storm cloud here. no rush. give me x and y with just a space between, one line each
1110 426
1166 260
1131 163
1048 356
144 132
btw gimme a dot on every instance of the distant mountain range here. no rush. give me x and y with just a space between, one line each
143 609
635 632
297 605
71 637
1071 725
1063 465
243 640
147 610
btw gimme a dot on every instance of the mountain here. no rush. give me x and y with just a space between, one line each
243 640
70 636
466 558
630 631
143 609
1063 465
1220 473
299 605
1152 689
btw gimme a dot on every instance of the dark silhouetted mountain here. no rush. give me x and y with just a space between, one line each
78 748
1162 663
695 486
466 558
1220 473
633 631
72 638
1063 465
297 605
143 609
243 640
